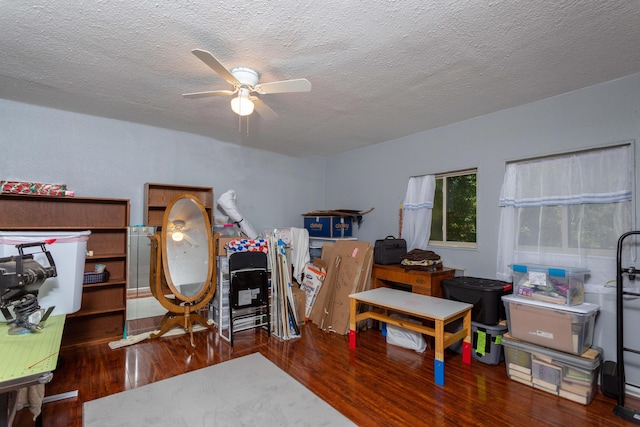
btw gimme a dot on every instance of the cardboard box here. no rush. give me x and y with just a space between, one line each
22 187
312 282
328 226
299 300
221 250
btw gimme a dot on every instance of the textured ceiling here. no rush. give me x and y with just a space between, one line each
379 70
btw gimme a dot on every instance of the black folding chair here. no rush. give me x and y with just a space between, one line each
248 292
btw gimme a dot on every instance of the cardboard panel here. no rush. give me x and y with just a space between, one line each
349 258
318 306
354 279
299 299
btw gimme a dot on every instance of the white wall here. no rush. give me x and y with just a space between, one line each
99 157
377 176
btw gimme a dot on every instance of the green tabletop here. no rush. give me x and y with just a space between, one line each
30 354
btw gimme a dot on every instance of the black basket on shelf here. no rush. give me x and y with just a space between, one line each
93 277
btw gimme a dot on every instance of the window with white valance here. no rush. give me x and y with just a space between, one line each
566 211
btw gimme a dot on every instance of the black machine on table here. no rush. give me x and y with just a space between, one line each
21 277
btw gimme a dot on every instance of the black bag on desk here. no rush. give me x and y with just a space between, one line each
389 250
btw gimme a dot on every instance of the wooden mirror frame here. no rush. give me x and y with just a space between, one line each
182 309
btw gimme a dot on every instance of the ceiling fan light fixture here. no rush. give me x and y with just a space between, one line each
177 234
242 105
245 82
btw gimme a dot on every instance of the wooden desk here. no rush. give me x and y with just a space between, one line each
439 310
421 282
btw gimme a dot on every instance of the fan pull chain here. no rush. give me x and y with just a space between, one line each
240 125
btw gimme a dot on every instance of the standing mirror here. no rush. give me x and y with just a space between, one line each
183 265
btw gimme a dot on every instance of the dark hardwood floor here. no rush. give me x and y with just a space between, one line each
377 385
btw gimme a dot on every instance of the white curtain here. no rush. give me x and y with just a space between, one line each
549 205
417 211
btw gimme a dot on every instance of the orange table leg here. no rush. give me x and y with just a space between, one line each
466 344
352 323
438 363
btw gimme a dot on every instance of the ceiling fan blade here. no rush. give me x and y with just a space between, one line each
263 109
209 93
215 65
190 240
284 86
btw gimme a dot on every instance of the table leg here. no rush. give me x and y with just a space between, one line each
352 323
438 372
5 411
438 363
466 344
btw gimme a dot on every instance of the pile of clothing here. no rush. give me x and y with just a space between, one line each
421 259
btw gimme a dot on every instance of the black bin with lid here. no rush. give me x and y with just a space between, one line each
484 294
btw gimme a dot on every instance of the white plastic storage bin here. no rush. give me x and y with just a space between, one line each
68 250
564 328
557 285
565 375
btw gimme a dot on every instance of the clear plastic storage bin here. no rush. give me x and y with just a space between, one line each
564 328
565 375
556 285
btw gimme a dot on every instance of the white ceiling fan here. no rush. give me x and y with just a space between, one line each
178 232
245 85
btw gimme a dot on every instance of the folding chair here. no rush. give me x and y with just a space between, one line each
248 292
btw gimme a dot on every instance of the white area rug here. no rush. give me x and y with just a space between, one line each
248 391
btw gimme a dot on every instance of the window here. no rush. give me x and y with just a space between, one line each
566 211
455 210
564 229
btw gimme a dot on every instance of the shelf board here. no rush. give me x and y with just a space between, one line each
89 313
104 284
106 256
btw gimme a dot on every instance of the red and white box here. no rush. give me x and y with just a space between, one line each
23 187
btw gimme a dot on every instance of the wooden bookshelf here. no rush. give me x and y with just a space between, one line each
158 196
102 313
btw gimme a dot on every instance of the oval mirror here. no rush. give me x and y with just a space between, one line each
187 250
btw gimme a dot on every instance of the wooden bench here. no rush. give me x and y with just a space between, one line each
440 311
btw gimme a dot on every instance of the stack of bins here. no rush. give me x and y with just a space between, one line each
487 315
548 346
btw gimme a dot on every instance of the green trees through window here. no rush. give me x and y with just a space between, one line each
563 228
455 209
